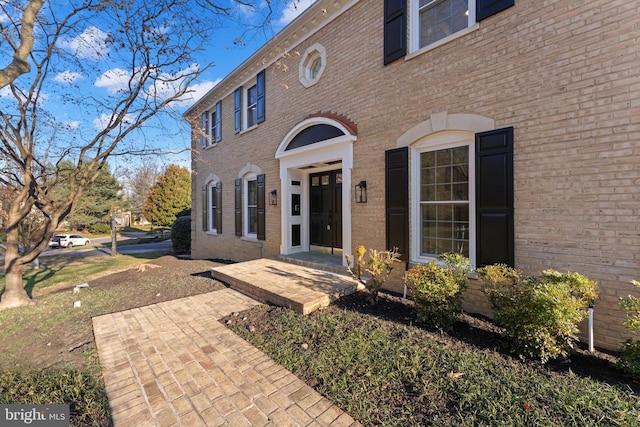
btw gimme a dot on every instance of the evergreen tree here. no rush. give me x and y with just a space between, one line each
96 204
169 196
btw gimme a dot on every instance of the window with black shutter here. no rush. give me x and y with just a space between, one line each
238 206
395 30
397 200
487 8
260 89
237 110
494 197
218 195
260 207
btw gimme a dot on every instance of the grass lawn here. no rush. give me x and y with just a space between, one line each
48 349
385 370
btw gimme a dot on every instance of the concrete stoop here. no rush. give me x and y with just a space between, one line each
300 288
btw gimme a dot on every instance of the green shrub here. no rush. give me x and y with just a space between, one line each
629 360
181 235
437 289
540 314
99 228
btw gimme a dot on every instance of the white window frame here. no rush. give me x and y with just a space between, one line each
246 107
414 41
434 142
212 127
211 193
314 53
204 128
210 185
251 177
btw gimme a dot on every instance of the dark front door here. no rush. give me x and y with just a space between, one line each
326 208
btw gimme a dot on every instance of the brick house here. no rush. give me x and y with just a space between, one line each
505 130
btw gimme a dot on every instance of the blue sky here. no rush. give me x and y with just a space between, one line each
104 75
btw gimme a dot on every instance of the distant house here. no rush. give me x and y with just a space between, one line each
508 131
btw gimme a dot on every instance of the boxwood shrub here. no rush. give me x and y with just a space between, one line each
539 314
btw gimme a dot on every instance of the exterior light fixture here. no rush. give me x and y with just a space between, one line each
361 192
273 197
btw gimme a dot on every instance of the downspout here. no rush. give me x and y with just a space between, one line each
591 349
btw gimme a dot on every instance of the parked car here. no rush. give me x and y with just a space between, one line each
68 241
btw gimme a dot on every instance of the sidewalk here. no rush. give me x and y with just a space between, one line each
174 364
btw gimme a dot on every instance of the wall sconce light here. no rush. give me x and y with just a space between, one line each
361 192
273 197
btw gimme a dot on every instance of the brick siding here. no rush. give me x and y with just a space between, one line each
565 74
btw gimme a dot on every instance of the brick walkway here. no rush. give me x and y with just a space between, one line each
174 364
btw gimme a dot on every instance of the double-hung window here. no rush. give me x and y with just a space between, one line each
432 23
252 103
436 20
443 194
249 104
251 207
212 207
212 126
444 201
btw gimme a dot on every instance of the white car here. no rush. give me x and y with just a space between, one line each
68 241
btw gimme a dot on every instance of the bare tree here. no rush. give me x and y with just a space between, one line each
138 184
143 55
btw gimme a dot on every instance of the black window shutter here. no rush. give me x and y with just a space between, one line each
260 94
205 208
260 190
238 209
397 200
395 30
219 207
494 197
218 135
204 129
237 109
487 8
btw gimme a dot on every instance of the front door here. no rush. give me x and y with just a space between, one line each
326 209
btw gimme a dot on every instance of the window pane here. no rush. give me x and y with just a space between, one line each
252 219
252 193
444 219
212 214
252 101
439 19
213 126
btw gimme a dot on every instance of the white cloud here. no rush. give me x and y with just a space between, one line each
101 123
115 80
91 44
67 77
293 9
196 92
70 125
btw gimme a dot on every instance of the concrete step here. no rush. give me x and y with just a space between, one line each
300 288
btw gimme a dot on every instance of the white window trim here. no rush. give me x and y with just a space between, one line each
245 205
316 51
210 215
206 134
245 106
414 29
439 141
210 183
212 134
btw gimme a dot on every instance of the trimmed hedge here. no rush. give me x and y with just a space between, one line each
181 235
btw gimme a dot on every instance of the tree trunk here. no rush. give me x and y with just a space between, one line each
14 294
